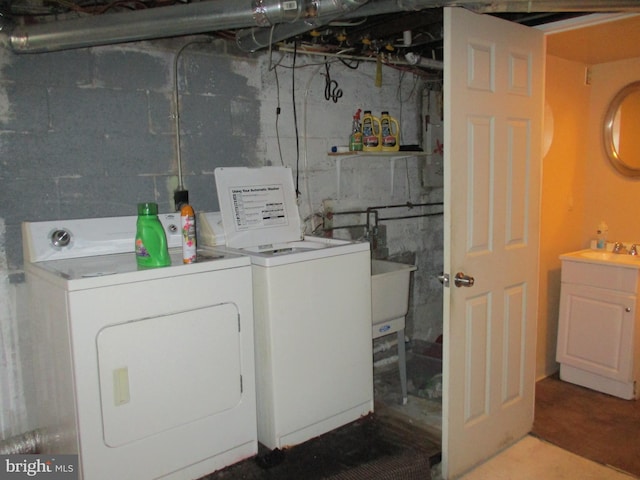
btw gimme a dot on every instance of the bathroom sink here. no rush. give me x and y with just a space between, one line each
599 256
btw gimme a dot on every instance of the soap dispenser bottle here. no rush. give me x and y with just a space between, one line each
601 236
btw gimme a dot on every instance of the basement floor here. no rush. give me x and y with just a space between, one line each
403 442
397 441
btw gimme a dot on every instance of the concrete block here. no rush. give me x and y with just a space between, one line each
129 67
31 199
50 155
26 108
67 68
244 118
203 153
98 110
145 154
206 74
161 107
87 197
70 154
205 115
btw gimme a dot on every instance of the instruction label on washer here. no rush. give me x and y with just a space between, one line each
258 206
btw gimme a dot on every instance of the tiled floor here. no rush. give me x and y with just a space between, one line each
535 459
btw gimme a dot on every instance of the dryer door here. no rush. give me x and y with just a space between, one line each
162 372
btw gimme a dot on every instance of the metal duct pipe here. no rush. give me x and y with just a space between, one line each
212 15
27 443
198 17
57 438
253 39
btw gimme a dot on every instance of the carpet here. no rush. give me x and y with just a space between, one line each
368 449
591 424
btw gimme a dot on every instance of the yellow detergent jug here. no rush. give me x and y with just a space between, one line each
371 138
390 131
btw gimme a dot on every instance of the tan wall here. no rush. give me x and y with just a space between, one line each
579 186
611 196
563 204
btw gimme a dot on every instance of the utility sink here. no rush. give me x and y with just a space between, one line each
606 257
389 290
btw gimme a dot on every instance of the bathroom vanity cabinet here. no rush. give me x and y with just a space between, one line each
598 335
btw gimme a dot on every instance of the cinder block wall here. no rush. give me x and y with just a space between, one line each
92 132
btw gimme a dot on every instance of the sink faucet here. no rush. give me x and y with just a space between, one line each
619 247
633 250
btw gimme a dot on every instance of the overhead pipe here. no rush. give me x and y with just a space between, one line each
253 39
214 15
159 22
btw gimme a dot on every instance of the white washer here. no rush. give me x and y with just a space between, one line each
312 308
145 374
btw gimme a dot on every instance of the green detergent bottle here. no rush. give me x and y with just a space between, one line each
151 241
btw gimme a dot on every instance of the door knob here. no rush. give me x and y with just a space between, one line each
463 280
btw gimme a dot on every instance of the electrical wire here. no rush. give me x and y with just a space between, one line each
331 89
295 117
275 73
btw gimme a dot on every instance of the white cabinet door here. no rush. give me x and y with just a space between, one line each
596 331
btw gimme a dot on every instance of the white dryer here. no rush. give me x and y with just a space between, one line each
145 374
312 309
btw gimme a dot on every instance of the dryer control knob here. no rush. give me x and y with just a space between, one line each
60 238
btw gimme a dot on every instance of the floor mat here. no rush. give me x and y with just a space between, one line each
591 424
366 449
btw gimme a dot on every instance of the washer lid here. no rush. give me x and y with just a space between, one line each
258 206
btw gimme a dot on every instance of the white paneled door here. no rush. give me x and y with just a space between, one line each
493 114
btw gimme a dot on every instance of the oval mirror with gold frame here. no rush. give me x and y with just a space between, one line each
622 130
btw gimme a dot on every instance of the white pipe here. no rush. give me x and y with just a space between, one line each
384 346
386 361
414 59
